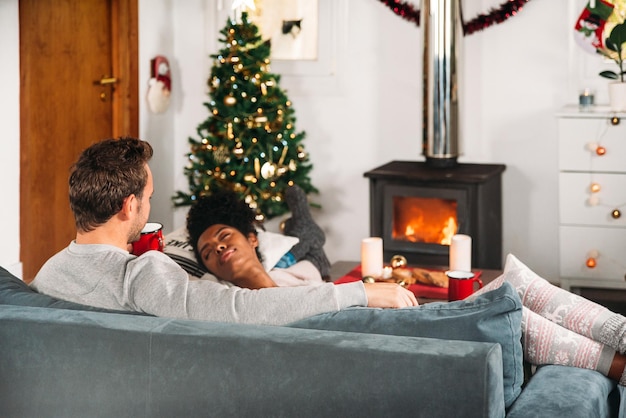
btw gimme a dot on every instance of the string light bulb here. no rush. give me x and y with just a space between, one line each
594 187
592 259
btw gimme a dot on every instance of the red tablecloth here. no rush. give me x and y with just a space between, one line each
420 290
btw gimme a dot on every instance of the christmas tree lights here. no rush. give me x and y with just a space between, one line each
249 142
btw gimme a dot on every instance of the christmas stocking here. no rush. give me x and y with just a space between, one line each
590 25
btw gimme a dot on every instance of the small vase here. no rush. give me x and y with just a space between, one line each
617 96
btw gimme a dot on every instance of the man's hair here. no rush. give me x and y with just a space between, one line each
224 207
105 174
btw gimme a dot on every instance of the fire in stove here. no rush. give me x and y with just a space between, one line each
424 220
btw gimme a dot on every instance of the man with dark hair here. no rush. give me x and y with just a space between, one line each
216 221
110 189
107 176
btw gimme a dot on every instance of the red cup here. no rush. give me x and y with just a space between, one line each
151 239
461 284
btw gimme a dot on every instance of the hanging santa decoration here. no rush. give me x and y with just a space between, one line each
159 85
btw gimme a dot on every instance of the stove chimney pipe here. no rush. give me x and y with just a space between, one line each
442 34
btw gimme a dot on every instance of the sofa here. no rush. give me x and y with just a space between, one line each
463 359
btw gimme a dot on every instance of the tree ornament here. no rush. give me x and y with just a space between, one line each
268 170
301 154
398 261
230 100
242 5
238 150
281 160
229 131
221 155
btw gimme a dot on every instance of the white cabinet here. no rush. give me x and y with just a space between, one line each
592 198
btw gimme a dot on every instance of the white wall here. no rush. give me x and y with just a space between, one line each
10 139
517 76
156 29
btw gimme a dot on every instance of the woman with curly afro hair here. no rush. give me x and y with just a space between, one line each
223 233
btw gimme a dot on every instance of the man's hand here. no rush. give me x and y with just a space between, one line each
389 295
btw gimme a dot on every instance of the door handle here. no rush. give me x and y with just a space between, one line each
106 80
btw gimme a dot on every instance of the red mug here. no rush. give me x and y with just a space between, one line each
461 284
151 239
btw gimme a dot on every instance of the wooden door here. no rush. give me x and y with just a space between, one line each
68 50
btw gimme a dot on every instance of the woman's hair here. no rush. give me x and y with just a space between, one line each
224 207
105 174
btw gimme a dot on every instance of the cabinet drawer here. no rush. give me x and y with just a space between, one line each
575 136
574 195
577 242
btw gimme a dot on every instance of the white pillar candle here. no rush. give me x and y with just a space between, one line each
372 257
461 253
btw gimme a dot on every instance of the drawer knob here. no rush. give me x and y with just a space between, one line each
600 150
615 120
616 214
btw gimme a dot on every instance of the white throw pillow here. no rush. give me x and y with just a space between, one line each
274 246
271 245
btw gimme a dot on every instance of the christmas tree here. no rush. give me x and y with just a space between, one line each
248 143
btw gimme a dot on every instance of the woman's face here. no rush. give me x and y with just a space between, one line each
225 251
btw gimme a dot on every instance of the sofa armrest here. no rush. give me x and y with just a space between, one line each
75 362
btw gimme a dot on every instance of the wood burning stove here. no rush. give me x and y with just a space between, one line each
416 208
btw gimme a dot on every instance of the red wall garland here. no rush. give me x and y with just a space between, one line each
497 15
